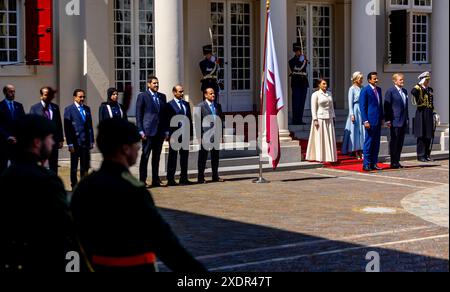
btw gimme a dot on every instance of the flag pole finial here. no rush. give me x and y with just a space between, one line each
268 4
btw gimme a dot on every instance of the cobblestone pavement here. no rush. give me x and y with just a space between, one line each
316 220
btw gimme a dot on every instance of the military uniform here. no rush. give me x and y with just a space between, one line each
299 85
120 227
210 70
36 225
424 124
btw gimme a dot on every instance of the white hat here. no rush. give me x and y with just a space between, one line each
425 75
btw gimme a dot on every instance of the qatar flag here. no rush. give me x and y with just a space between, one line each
274 97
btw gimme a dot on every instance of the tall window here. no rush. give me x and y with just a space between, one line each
134 43
314 26
9 31
409 31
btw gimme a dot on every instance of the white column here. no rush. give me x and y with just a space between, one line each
97 55
279 26
364 36
440 58
169 44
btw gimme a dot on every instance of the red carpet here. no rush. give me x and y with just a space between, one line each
347 163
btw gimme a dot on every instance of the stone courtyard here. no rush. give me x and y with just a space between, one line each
315 220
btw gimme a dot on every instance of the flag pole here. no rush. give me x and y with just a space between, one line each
261 179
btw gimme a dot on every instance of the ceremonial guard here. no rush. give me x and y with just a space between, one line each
299 84
210 69
424 123
119 225
36 225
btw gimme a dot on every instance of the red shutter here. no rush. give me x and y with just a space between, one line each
39 32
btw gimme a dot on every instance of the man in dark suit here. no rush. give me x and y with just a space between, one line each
153 128
397 117
210 135
50 111
10 112
180 136
371 101
79 135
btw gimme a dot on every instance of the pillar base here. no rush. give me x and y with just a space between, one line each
443 132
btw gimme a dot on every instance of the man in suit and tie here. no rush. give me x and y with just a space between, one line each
153 127
372 112
10 112
79 135
179 144
397 117
211 135
47 109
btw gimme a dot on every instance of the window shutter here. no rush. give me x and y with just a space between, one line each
398 36
39 32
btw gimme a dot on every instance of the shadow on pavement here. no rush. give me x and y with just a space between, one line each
230 246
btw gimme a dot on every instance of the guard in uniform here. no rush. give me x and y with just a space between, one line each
424 123
119 225
299 84
35 222
210 69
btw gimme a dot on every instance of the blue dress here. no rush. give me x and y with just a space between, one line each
354 134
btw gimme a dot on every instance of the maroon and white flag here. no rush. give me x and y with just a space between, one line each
274 97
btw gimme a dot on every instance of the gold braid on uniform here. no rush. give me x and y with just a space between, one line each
212 74
424 99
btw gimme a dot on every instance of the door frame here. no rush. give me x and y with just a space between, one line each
310 46
232 95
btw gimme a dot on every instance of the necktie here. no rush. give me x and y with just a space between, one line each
181 107
213 110
402 94
47 112
156 100
83 113
375 91
11 108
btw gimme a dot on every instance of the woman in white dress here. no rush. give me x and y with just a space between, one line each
322 140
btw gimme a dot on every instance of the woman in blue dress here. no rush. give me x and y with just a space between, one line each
354 130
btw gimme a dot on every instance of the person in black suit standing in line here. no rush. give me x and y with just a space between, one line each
79 135
210 135
10 112
47 109
397 117
179 108
112 109
153 128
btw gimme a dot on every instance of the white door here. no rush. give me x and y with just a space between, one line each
231 23
315 24
134 55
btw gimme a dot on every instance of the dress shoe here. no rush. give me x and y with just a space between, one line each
376 167
424 160
158 184
172 183
201 181
395 166
218 180
186 182
401 166
367 169
429 159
